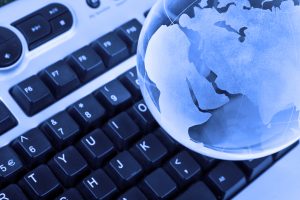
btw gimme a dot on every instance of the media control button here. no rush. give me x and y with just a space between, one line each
10 52
53 10
61 23
93 3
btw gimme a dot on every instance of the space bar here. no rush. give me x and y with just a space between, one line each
279 182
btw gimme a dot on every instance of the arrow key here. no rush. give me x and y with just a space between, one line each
183 168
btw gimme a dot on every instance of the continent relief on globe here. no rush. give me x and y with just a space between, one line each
252 55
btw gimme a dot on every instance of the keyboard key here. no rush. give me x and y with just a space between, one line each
226 179
86 63
198 190
131 82
33 146
88 112
69 166
149 151
122 130
70 194
114 96
133 194
141 114
159 185
60 79
93 3
112 49
183 168
98 186
96 148
53 10
253 168
205 161
7 120
62 23
40 183
124 169
130 33
12 192
10 164
32 95
61 129
166 139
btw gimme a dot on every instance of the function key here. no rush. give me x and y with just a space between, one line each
33 146
86 63
32 95
40 183
61 129
226 179
93 3
111 48
10 164
60 79
7 120
114 96
98 186
70 194
88 112
253 168
61 23
159 185
124 169
131 82
34 29
149 151
141 114
133 194
122 130
130 33
183 168
53 10
69 166
198 190
12 192
96 148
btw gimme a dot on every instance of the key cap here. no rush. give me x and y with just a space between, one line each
70 194
60 79
114 96
166 139
33 146
32 95
111 48
40 183
10 164
159 185
133 194
61 129
86 63
142 116
253 168
205 162
98 186
226 179
131 82
7 120
96 148
88 112
122 130
183 168
62 23
12 192
69 166
124 169
130 33
149 151
198 190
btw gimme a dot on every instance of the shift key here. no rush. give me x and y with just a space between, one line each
32 95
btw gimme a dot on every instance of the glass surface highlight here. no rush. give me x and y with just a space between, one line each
222 77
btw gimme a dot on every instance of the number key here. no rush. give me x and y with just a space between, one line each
33 146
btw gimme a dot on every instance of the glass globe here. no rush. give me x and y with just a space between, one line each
222 77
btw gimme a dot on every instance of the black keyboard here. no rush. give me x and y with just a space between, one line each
106 145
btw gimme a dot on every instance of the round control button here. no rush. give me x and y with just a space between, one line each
10 47
93 3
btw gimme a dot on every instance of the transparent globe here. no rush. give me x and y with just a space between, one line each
222 77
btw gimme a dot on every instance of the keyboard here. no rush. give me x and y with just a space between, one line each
76 127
